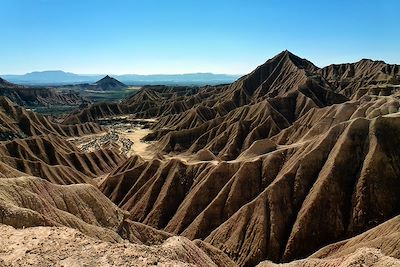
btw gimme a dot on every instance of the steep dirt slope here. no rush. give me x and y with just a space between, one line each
29 202
364 77
150 101
95 111
385 237
319 120
265 205
301 163
286 83
259 105
379 246
282 75
325 190
285 76
38 147
32 96
16 121
229 135
57 160
285 161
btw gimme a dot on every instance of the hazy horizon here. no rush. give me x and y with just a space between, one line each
117 74
177 37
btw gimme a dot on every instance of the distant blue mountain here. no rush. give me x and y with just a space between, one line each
58 77
50 77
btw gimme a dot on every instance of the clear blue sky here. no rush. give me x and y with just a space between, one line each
171 36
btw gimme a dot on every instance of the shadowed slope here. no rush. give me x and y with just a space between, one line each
379 246
57 160
259 105
150 101
274 166
366 76
270 205
281 76
46 153
16 121
337 176
304 165
229 135
385 237
33 96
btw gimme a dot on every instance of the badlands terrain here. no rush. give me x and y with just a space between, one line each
291 165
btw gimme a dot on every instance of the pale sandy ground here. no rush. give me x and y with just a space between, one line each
61 246
139 147
143 149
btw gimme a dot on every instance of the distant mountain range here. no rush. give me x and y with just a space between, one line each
61 78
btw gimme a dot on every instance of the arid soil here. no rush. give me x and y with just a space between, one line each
61 246
35 96
291 164
127 137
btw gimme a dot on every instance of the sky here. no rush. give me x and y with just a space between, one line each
186 36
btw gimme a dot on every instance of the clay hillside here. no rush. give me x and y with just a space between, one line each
290 164
35 96
47 180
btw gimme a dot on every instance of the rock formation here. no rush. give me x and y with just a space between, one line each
376 247
291 163
36 96
302 161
